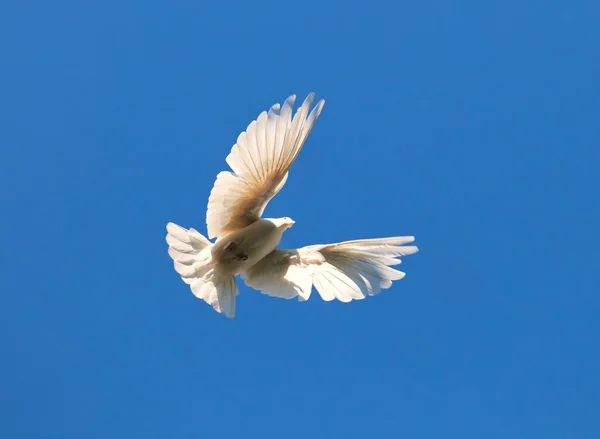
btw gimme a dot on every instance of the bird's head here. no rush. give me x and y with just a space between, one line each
285 222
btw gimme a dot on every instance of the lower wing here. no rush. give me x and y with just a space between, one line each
344 271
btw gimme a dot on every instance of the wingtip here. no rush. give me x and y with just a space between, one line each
309 100
172 227
406 239
312 95
410 250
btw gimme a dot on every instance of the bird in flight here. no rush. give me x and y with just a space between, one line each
246 243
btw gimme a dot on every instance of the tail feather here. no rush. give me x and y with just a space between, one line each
218 291
192 259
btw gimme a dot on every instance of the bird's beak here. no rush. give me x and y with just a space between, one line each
292 222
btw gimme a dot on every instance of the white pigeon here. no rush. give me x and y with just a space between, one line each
246 244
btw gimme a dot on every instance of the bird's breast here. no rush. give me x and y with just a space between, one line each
240 250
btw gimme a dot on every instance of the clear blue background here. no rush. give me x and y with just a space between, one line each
472 125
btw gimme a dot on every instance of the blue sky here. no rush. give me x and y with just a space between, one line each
471 125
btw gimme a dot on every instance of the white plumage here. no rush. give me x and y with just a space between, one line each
246 244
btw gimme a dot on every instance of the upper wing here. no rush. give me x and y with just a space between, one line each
344 271
260 161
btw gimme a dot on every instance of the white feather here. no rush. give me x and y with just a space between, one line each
345 271
260 161
192 259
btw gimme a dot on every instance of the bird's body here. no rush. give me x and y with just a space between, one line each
247 244
253 243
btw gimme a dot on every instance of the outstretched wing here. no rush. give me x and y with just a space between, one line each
260 161
344 271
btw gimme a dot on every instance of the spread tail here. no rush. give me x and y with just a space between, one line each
192 259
